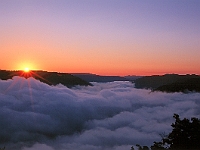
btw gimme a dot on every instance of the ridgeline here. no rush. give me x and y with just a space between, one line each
170 83
50 78
97 78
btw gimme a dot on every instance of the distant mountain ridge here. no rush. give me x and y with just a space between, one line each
99 78
170 83
50 78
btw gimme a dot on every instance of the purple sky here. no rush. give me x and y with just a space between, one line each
101 36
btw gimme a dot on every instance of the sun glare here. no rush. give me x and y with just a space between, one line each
26 69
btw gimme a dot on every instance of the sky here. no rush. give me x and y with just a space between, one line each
106 37
106 116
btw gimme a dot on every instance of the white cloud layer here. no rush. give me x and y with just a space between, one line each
106 116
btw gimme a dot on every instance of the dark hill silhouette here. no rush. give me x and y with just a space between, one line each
97 78
169 83
50 78
132 77
184 86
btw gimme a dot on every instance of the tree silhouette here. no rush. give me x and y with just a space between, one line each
185 135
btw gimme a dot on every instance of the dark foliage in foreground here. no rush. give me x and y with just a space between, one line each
185 135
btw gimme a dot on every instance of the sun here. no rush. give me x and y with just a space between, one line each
26 69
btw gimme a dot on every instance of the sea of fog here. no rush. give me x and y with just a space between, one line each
106 116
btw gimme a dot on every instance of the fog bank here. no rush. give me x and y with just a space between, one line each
106 116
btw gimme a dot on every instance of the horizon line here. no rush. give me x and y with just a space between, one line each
159 74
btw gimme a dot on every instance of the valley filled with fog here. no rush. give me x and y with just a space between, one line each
106 116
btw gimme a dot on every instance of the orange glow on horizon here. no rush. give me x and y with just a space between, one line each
26 69
70 41
25 66
105 69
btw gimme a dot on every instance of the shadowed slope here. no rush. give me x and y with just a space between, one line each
50 78
169 83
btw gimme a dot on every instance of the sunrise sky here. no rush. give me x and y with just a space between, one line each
106 37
